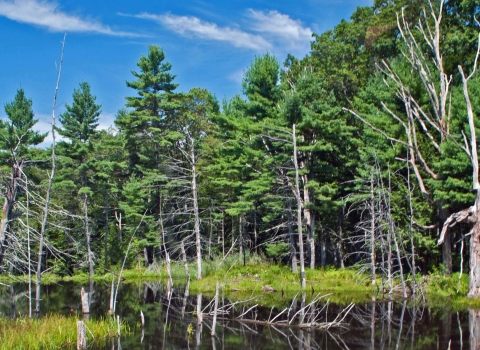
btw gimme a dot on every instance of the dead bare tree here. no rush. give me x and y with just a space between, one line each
299 209
16 136
181 200
471 214
196 216
49 189
87 236
189 130
163 244
370 228
431 122
291 139
309 316
380 242
8 205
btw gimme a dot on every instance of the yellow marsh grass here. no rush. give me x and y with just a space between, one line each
52 332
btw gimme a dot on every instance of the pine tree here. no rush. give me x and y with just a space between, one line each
186 156
109 177
79 123
80 120
145 124
326 148
16 138
150 112
241 164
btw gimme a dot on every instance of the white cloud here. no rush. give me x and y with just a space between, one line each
260 31
281 27
190 25
237 76
47 15
44 125
106 121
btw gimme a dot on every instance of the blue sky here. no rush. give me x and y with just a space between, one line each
209 43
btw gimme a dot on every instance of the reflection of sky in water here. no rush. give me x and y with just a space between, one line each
381 325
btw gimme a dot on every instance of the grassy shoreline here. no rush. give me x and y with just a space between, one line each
272 281
261 282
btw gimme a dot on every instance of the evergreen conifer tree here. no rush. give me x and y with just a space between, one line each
145 123
16 138
77 165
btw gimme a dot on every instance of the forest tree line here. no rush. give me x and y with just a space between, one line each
362 152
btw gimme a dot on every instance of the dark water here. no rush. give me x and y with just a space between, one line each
171 320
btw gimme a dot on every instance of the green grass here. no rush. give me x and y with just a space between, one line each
47 278
452 290
52 332
343 285
243 282
240 282
258 272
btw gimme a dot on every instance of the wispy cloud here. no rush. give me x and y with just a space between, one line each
47 15
107 121
260 30
280 27
190 25
44 125
237 76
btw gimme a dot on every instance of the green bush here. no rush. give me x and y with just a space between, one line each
277 251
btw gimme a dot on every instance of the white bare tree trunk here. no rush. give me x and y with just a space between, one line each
372 228
196 215
293 243
299 211
472 214
164 245
308 221
49 190
474 327
431 122
87 237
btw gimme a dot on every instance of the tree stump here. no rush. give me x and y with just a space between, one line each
81 335
85 302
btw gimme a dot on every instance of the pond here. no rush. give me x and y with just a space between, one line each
172 322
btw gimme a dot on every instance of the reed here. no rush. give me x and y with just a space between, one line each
52 332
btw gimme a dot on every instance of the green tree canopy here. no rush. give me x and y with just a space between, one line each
16 134
80 120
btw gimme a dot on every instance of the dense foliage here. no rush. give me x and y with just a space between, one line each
325 150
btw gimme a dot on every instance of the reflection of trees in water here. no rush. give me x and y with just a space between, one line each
233 326
170 312
474 328
8 300
399 325
387 322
